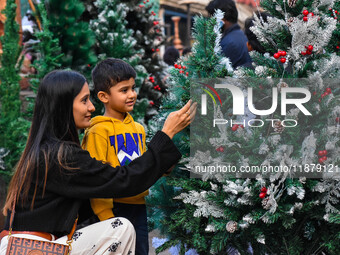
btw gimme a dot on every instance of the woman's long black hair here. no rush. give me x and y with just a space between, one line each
52 131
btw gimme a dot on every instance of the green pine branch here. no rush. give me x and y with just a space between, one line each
13 127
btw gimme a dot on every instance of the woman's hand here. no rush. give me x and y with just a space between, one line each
178 120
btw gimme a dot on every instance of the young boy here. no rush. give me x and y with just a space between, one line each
116 139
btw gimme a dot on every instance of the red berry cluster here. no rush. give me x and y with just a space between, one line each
309 50
306 14
153 13
155 23
334 13
220 149
177 66
151 103
263 192
144 2
152 79
322 156
326 93
153 50
157 87
280 54
235 127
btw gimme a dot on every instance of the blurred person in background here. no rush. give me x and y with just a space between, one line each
171 55
234 41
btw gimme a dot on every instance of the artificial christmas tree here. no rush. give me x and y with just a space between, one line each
136 23
115 41
206 61
46 51
262 212
147 30
334 43
13 127
47 48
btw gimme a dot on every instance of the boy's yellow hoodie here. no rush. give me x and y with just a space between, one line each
117 143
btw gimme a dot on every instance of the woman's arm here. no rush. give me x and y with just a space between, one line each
93 179
96 180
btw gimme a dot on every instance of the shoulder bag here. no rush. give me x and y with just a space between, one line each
26 246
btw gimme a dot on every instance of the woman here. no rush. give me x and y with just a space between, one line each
55 178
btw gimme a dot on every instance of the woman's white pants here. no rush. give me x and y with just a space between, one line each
113 236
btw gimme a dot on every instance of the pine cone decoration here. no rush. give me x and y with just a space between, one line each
281 85
266 203
292 3
290 21
231 226
278 127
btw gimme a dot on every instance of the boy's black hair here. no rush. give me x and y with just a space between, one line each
227 6
109 72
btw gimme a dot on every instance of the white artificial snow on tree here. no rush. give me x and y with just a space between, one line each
3 153
323 3
300 192
308 149
113 38
264 148
217 48
263 30
210 228
327 67
205 208
314 35
261 239
261 71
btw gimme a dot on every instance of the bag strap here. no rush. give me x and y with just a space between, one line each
69 236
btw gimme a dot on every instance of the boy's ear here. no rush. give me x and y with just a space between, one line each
103 96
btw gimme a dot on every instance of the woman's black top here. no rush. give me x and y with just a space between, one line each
67 190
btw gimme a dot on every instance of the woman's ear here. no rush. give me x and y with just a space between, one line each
103 97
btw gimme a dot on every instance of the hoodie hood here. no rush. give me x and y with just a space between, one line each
112 124
125 139
99 119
